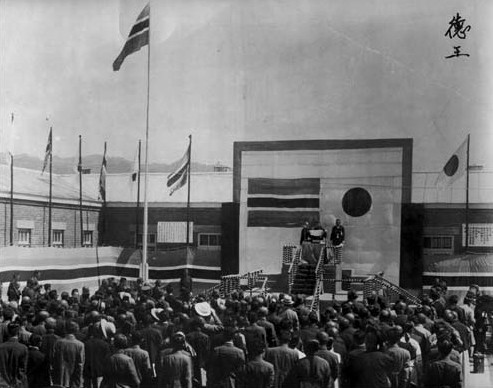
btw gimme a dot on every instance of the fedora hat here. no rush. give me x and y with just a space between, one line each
203 309
287 300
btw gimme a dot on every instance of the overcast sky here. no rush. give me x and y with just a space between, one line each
236 70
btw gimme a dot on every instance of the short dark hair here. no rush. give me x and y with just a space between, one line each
445 347
13 329
120 341
71 327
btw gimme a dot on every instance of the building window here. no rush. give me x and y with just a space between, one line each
151 239
24 237
439 244
87 238
210 240
479 235
57 240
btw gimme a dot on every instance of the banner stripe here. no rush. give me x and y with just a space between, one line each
284 186
177 273
281 219
464 280
176 176
284 202
140 26
138 37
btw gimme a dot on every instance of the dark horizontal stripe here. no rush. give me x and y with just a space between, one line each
281 219
176 273
284 186
176 176
460 281
283 202
131 45
138 27
64 274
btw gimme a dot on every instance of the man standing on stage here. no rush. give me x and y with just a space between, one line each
337 237
337 234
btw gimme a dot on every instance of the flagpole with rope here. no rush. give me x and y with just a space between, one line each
11 198
145 273
51 187
11 155
139 36
102 193
467 193
188 194
80 193
138 200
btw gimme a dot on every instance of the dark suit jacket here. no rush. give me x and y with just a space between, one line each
120 372
225 363
68 362
37 369
283 358
13 363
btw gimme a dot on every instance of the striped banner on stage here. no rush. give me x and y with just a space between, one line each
283 203
68 268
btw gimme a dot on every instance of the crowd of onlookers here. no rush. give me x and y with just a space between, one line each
134 334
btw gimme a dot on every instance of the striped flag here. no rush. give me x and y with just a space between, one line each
49 149
137 38
283 203
455 167
179 177
102 178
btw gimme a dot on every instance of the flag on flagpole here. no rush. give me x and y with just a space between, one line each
455 167
102 178
49 148
179 177
136 167
137 38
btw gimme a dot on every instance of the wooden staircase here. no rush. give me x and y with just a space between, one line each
304 280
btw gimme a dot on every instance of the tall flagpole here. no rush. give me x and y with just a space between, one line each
11 199
80 194
145 274
51 187
188 195
138 200
467 192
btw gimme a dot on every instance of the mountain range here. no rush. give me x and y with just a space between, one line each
114 165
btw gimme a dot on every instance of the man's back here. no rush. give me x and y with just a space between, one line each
313 372
444 373
283 358
225 360
68 361
372 370
13 363
257 374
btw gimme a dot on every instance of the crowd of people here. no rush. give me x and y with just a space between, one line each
137 334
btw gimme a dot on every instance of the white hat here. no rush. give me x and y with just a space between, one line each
155 313
203 309
287 300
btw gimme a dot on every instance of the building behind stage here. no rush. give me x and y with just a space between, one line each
430 227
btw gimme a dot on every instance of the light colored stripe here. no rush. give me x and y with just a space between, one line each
460 288
183 266
96 278
459 274
197 280
145 30
67 267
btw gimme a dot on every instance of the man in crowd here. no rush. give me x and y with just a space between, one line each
190 345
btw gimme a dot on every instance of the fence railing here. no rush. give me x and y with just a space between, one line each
293 268
387 290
